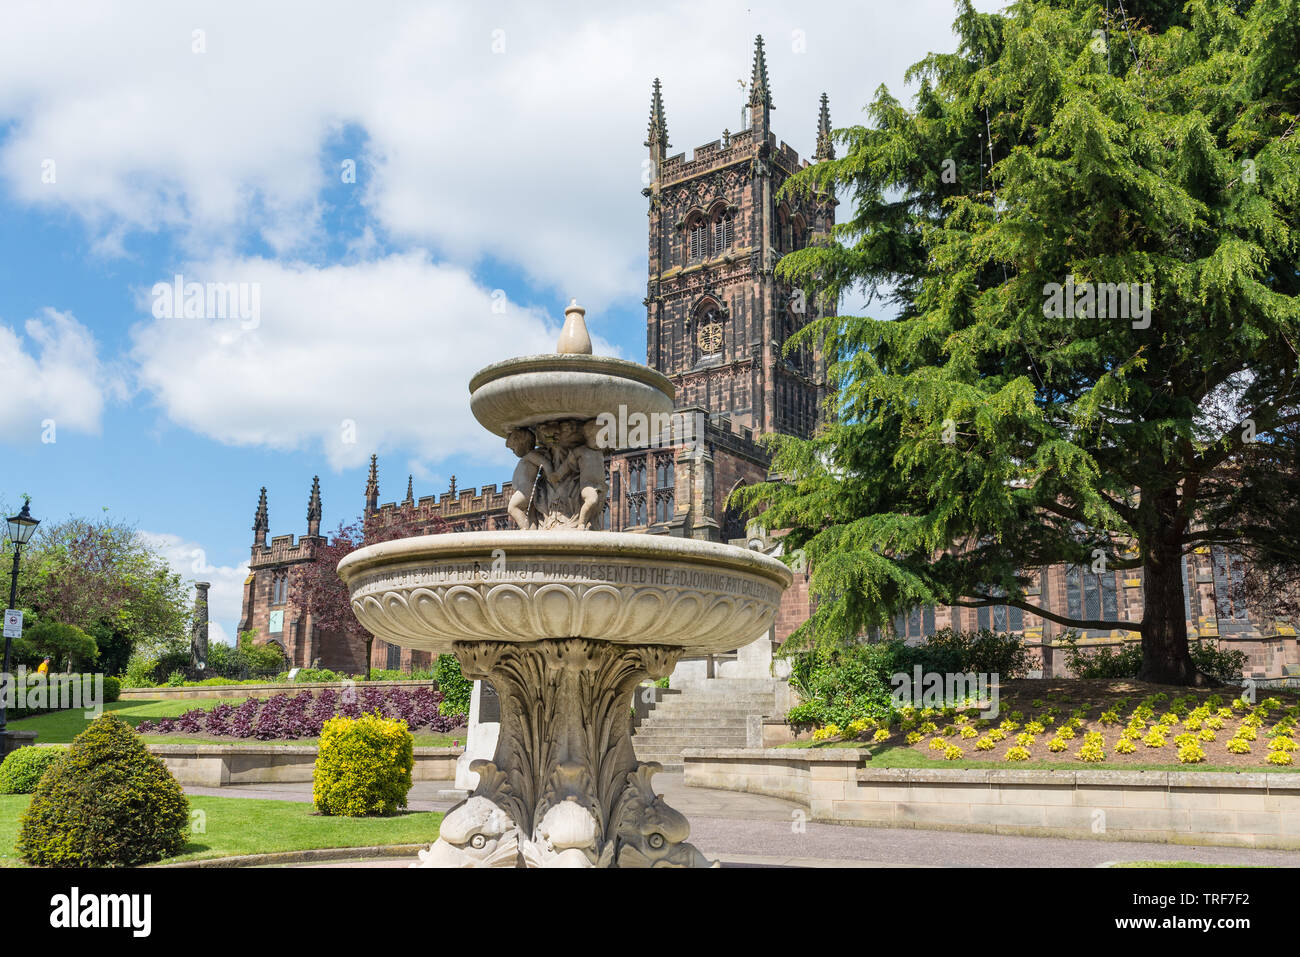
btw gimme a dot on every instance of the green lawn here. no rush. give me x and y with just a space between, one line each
1175 864
245 826
60 727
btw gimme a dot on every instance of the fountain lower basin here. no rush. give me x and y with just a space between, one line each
433 591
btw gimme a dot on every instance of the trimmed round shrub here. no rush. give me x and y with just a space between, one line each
22 769
112 689
108 803
363 766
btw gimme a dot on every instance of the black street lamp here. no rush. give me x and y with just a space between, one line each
21 527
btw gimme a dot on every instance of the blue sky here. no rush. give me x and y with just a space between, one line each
498 159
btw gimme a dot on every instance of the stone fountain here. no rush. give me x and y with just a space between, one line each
564 620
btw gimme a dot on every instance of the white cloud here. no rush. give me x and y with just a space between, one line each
225 597
59 385
356 358
531 155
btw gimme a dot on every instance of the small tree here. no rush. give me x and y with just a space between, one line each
63 644
319 590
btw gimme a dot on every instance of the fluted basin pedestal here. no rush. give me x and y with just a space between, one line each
564 766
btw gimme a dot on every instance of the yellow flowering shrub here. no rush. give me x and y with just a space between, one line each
952 753
1206 734
1017 754
997 734
1279 757
1024 739
1191 753
1034 727
1057 745
363 766
1239 746
1155 738
1125 746
968 732
938 744
984 744
880 735
1092 749
1248 732
1281 744
914 736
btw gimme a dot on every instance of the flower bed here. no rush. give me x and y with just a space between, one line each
301 715
1094 722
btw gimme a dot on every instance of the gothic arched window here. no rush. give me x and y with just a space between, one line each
698 233
723 233
798 233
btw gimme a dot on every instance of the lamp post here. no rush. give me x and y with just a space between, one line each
21 527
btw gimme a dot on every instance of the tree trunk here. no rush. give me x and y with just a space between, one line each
1165 656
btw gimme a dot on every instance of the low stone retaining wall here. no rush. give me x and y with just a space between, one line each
216 765
258 691
1174 807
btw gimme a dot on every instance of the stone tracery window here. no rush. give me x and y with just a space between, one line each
723 233
636 489
698 233
665 487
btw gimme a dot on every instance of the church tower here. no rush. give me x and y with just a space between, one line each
717 317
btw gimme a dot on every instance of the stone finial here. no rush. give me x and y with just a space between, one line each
410 491
574 339
657 137
314 508
372 485
261 520
825 148
760 94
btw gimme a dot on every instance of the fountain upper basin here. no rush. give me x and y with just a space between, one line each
523 392
429 591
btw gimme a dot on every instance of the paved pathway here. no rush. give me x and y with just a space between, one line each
754 830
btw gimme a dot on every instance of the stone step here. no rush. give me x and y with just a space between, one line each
677 745
726 686
700 727
703 714
690 727
728 704
721 707
667 739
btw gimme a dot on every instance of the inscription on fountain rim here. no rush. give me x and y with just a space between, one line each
583 573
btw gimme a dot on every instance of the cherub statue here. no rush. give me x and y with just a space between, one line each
527 499
589 462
